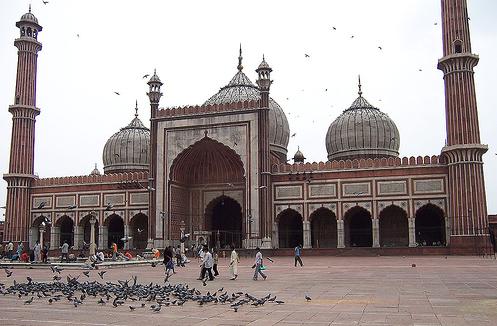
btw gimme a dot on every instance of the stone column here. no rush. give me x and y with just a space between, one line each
31 237
447 230
76 237
126 234
412 231
340 235
306 228
376 233
54 237
182 234
276 236
42 231
93 246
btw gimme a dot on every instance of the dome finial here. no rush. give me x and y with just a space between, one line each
360 91
136 108
29 7
240 67
95 165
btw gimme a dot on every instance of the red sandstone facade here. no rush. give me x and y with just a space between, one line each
219 172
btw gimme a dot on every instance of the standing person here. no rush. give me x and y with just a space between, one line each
258 264
298 253
20 249
207 263
234 263
168 260
44 254
113 246
64 249
215 257
179 259
10 249
37 252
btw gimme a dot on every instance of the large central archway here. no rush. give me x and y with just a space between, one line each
66 227
430 226
223 217
394 227
207 165
358 228
323 228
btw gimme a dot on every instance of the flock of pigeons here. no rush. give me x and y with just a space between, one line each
125 292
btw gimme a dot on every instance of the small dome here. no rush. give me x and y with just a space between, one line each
240 88
154 78
29 18
128 149
298 157
362 131
95 171
263 64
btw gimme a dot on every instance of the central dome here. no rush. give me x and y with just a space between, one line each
362 131
240 88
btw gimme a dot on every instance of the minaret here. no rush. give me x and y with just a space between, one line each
24 112
264 82
463 151
154 94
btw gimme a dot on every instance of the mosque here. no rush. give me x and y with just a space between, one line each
219 172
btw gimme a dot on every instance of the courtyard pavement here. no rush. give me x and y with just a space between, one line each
344 290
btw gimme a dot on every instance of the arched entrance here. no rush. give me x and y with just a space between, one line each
86 227
115 227
139 231
290 233
358 228
394 227
35 230
323 228
223 217
208 164
66 229
430 226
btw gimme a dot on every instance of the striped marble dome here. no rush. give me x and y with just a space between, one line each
128 149
362 131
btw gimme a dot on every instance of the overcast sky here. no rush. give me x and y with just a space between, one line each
92 48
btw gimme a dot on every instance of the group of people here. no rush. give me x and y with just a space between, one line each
37 254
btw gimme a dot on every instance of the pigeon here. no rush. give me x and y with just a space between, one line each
279 302
294 134
154 264
72 206
308 298
117 93
29 279
101 301
45 2
413 265
9 273
50 301
42 204
29 301
109 207
57 278
334 28
306 55
86 273
145 76
101 274
132 308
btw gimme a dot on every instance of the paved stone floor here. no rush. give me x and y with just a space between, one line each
344 290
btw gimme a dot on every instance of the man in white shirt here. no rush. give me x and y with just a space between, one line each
207 263
258 264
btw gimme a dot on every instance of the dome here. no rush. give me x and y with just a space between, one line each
95 171
240 88
154 78
298 157
29 18
362 131
128 149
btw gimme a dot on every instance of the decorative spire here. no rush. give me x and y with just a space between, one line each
360 91
136 108
95 165
29 7
240 67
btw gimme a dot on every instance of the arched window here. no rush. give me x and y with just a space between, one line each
457 46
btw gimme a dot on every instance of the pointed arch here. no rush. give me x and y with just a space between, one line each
323 228
290 228
394 227
223 217
115 228
358 227
139 231
430 225
66 229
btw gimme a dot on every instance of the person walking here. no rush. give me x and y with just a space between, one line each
64 249
258 264
207 263
298 253
168 260
215 257
44 254
37 252
234 260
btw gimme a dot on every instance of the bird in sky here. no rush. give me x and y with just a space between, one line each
380 48
420 69
352 36
101 274
435 24
261 187
45 2
293 135
42 204
117 93
145 76
334 28
139 230
306 55
77 35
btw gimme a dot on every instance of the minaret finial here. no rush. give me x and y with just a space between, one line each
136 108
240 67
95 165
29 7
360 91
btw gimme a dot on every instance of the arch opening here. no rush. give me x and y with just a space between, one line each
139 231
115 227
358 228
66 229
323 228
290 232
394 227
35 226
86 226
223 217
430 226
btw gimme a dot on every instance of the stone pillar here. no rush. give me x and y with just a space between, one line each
340 235
54 237
276 236
182 234
93 246
126 234
42 231
412 231
102 237
376 233
306 226
447 230
33 231
76 237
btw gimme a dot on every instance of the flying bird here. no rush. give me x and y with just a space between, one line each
9 273
86 273
293 135
145 76
77 35
352 36
44 2
306 55
101 274
117 93
380 48
109 207
72 206
42 204
140 230
334 28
